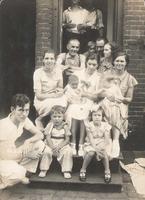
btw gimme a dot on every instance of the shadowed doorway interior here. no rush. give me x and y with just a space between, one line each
17 49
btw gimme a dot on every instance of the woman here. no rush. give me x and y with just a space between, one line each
88 85
116 108
48 89
106 61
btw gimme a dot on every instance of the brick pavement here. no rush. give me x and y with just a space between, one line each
22 192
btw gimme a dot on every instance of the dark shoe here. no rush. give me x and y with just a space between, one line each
107 177
82 176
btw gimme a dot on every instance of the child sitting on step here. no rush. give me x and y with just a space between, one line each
98 134
57 143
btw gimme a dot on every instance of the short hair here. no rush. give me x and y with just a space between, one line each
49 52
92 57
57 109
97 108
73 39
122 53
19 100
102 38
73 78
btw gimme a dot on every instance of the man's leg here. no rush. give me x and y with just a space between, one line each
29 162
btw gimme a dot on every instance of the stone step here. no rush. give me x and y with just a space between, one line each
94 183
95 177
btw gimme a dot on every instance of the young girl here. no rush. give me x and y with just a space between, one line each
98 134
57 143
77 111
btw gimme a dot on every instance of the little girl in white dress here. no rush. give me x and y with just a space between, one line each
77 111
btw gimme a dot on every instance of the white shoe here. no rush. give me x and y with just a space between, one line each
74 151
81 151
67 175
25 181
42 174
115 149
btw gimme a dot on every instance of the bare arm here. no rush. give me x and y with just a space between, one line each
37 135
49 141
129 96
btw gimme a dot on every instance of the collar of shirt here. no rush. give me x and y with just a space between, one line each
70 8
68 56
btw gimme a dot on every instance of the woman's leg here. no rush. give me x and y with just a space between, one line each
115 144
82 133
82 138
39 124
74 129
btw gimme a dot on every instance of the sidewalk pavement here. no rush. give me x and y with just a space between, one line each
23 192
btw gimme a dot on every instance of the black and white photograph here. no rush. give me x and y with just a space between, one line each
65 133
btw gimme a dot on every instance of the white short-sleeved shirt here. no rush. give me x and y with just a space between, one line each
45 83
10 132
75 17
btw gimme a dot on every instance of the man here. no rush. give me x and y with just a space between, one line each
71 61
100 42
11 128
94 23
74 19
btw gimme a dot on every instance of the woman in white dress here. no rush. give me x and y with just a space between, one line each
48 88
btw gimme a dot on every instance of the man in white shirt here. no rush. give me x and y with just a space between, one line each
11 128
74 19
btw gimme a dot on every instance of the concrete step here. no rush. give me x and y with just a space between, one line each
94 183
95 177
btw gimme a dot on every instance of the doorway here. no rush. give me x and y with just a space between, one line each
112 18
17 49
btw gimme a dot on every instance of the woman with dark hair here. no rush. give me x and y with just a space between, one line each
116 108
106 62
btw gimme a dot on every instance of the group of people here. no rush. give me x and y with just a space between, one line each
86 97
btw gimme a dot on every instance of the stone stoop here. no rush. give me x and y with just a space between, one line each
95 177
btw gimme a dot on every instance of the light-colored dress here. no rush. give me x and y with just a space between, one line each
117 113
98 134
78 107
47 84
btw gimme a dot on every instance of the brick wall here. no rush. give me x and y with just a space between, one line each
44 27
134 44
